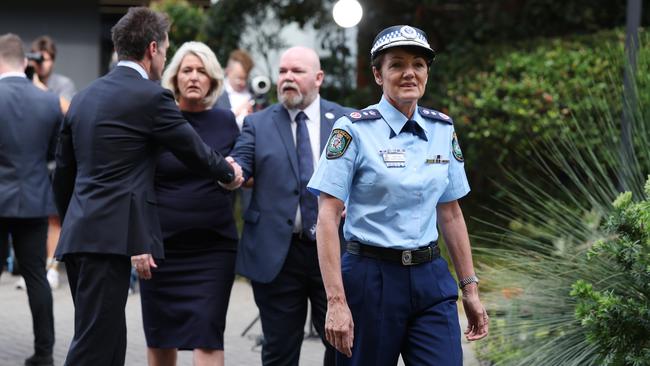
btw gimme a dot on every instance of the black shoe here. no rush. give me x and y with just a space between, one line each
37 360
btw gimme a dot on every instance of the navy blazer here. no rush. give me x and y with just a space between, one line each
266 151
29 121
106 157
223 101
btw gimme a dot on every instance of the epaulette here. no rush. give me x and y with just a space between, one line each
435 115
364 115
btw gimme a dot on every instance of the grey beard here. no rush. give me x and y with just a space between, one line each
291 102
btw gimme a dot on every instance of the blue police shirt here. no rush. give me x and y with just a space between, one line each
389 181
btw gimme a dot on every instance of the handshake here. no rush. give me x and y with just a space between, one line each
239 177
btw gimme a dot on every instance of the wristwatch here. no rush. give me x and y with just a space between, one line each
467 280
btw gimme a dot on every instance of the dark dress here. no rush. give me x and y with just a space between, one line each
184 304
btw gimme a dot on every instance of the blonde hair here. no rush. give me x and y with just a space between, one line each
212 68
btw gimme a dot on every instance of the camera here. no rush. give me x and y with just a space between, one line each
260 86
36 57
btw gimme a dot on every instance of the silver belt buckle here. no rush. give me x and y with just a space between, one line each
407 258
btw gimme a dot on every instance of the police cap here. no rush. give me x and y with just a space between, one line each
401 36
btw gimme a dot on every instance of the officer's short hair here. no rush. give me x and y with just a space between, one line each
11 50
210 62
136 30
44 44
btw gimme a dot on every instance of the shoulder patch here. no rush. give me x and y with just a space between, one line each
435 115
455 148
337 144
364 115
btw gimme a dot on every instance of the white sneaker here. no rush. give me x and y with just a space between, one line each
53 278
20 284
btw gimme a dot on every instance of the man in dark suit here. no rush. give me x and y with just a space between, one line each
29 120
279 147
104 179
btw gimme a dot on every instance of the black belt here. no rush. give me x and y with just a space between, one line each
405 257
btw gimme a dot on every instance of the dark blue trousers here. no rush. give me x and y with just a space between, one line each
99 284
283 307
30 239
407 310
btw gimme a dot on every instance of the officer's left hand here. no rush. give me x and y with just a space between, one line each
143 264
477 318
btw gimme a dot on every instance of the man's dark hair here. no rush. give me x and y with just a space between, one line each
11 50
44 44
136 30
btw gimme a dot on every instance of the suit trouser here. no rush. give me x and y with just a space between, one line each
283 306
407 310
99 284
29 241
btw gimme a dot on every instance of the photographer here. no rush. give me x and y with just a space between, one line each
29 120
61 85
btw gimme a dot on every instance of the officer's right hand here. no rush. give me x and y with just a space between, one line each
339 327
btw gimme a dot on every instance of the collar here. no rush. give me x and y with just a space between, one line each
312 111
230 90
18 74
135 66
395 119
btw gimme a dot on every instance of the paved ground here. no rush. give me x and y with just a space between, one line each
16 335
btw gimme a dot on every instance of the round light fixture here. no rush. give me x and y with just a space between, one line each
347 13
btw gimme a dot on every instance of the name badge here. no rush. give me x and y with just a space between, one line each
437 160
394 158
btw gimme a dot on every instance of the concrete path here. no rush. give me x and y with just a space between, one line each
16 330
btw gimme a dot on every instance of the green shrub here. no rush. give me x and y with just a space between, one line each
617 318
548 248
508 99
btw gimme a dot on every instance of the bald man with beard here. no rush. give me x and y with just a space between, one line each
279 147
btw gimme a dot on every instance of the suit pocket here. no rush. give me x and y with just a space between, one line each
150 197
251 216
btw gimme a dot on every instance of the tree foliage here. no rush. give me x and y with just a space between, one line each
567 278
188 22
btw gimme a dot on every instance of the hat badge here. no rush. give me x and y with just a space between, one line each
408 32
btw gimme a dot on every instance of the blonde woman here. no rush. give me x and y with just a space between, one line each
184 303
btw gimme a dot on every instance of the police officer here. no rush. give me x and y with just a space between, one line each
399 170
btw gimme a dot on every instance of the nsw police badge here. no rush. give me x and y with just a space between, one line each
338 143
455 148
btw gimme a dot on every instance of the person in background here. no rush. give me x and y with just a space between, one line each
104 183
397 170
279 146
64 87
184 303
29 121
61 85
237 97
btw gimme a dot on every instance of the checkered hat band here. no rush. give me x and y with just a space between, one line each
409 42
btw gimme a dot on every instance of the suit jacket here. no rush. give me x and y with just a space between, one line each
106 157
29 121
223 101
266 151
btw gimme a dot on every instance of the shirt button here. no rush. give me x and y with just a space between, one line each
290 222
